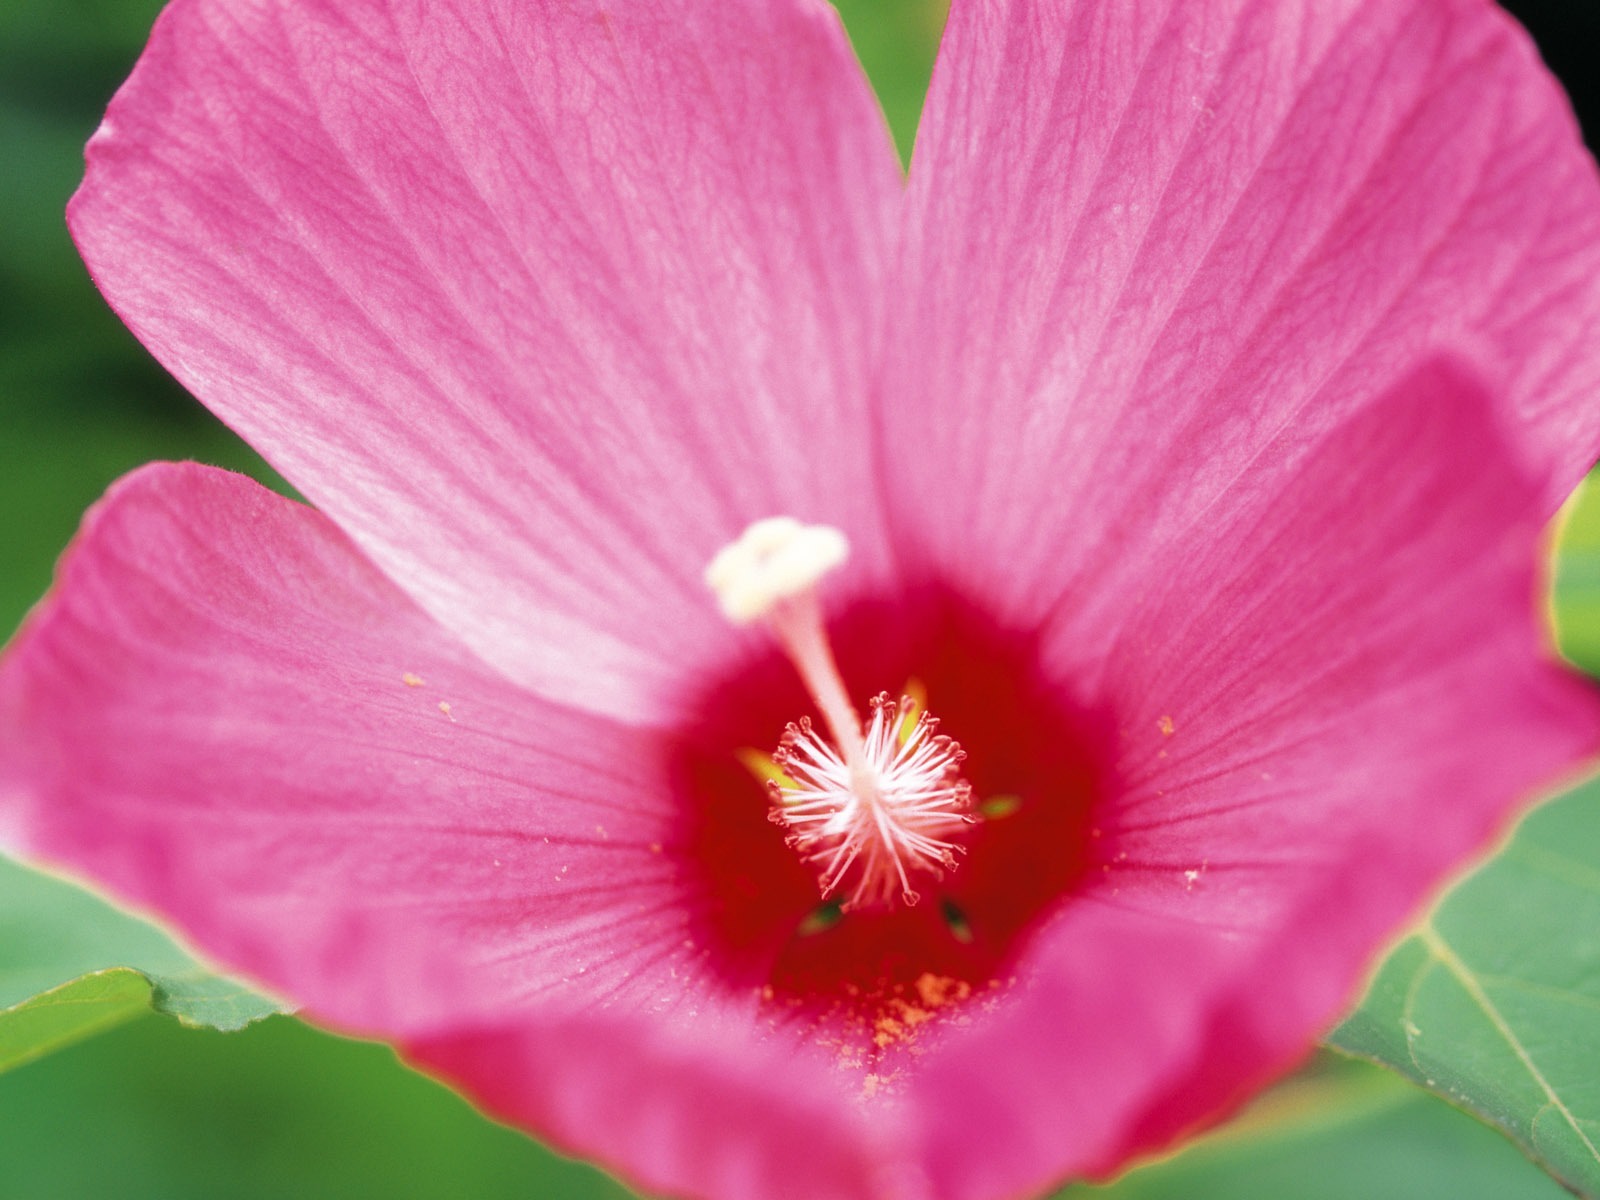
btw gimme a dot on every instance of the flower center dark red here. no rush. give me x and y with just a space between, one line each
1036 763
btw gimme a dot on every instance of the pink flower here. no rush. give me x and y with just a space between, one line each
1191 418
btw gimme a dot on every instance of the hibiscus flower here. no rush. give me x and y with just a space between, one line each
1178 438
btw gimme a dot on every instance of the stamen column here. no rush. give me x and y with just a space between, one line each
877 806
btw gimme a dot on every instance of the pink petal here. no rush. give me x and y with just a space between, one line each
541 302
225 714
1154 244
707 1108
1338 698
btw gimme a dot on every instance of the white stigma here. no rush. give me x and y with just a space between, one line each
874 807
773 560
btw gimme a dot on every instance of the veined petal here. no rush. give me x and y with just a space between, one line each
1156 246
540 302
226 715
1336 699
709 1108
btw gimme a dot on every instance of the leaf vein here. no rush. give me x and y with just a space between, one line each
1470 983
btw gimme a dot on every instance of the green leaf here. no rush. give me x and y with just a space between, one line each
72 965
1575 582
1494 1002
1338 1131
154 1112
896 41
89 1004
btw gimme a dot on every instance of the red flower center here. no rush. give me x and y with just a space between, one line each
1036 764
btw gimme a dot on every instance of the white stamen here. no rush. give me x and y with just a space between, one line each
877 806
897 817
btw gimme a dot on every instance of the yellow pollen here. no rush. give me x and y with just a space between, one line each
759 763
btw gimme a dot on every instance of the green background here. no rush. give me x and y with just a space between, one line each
155 1109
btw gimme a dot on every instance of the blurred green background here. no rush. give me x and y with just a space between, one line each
153 1109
